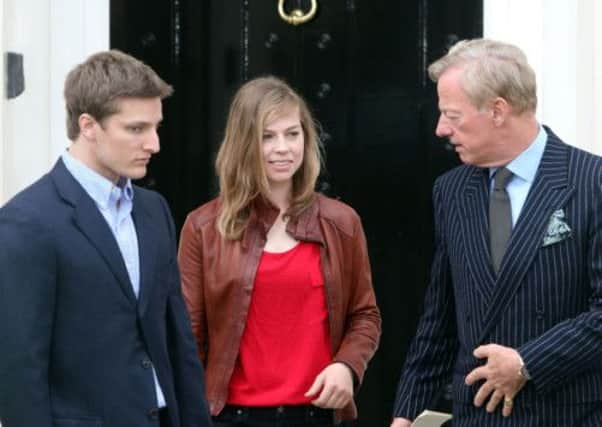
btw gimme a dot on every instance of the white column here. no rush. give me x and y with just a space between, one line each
2 98
53 36
585 108
563 45
590 78
25 121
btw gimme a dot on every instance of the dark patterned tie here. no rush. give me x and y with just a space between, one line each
500 217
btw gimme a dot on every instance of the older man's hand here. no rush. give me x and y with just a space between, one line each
502 380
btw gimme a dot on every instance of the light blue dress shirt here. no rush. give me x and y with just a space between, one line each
115 204
524 168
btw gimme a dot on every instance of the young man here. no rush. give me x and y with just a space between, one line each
93 329
513 313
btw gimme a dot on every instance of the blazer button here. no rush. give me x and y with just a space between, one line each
146 363
153 414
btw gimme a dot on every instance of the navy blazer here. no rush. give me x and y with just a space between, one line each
76 346
546 301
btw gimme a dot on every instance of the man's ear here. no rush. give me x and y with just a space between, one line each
87 126
500 110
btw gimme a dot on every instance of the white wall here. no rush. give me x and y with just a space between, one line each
53 36
564 46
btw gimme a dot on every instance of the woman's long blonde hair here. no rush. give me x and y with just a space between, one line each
239 164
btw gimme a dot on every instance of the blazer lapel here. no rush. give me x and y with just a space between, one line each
550 191
91 223
147 250
473 203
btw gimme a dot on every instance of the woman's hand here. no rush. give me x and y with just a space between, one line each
335 385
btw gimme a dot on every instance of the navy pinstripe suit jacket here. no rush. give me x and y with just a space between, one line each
546 301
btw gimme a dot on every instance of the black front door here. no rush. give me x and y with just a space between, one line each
361 65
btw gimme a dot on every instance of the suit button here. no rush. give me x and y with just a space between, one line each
153 414
146 363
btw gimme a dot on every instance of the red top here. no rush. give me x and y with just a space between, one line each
286 342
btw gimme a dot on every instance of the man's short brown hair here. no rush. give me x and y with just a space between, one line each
94 86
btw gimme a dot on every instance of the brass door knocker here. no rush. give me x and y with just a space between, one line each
297 16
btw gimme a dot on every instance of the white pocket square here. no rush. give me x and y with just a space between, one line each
558 230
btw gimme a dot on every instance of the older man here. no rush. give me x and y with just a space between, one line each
513 313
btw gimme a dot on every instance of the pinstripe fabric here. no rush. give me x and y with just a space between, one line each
546 301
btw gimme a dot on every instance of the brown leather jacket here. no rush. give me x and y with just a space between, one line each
218 277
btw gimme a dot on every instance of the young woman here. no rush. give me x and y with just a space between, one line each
276 277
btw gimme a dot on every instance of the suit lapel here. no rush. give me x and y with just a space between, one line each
91 223
147 249
549 192
95 228
473 203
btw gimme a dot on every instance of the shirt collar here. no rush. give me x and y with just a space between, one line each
104 192
525 165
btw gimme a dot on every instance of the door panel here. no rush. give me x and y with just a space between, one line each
361 65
